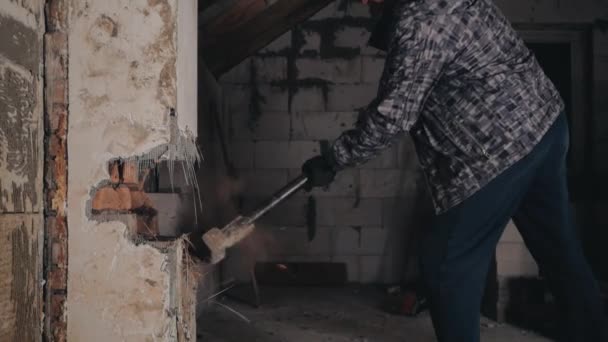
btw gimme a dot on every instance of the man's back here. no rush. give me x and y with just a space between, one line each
490 102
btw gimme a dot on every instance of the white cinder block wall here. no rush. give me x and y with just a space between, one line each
307 86
304 88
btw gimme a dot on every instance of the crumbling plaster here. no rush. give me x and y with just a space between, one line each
122 89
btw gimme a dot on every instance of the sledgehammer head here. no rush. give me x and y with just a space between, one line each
217 240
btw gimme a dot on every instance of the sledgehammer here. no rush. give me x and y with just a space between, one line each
218 240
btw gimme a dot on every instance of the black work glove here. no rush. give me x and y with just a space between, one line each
320 172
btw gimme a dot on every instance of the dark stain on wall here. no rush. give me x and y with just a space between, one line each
19 135
20 44
25 283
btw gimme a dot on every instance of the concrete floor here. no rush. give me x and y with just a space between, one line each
320 315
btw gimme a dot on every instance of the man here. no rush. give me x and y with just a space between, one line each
492 138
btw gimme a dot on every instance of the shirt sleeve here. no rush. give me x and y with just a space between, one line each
414 64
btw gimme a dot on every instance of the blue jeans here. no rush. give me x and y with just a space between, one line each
462 241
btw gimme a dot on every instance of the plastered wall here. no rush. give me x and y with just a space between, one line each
124 59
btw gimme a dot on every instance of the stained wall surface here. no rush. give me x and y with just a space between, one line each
21 225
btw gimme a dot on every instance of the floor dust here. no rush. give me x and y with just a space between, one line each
320 314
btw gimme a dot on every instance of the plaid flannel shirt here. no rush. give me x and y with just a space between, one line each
463 84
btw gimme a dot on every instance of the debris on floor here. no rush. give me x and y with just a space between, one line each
339 314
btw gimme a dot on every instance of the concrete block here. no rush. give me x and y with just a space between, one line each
346 241
242 154
273 126
262 182
284 154
293 241
312 41
406 153
352 37
175 213
270 69
259 69
332 70
345 184
387 159
275 98
278 45
239 74
357 9
346 97
353 266
172 181
321 125
376 240
308 99
371 69
510 268
511 234
349 212
514 259
367 50
378 269
388 182
359 241
238 98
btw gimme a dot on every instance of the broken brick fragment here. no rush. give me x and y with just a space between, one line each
124 172
109 198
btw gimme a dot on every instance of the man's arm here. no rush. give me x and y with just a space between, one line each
414 64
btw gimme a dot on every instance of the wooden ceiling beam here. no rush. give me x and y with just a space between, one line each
248 26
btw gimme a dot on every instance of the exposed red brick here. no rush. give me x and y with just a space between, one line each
57 306
56 12
139 199
56 55
57 317
57 229
59 329
57 92
56 165
58 278
123 172
114 171
55 147
57 118
121 198
59 253
108 198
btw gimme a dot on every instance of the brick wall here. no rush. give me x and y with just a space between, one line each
302 89
56 154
